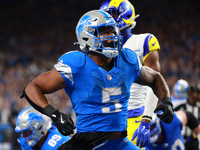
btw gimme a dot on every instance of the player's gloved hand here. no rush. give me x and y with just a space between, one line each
24 145
166 107
143 134
63 122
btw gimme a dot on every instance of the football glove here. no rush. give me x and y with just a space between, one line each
166 107
24 145
63 122
143 134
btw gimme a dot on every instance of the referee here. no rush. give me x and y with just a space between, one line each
192 105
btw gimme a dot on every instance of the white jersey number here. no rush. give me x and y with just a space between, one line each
106 93
54 139
178 143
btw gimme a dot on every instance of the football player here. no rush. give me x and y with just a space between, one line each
37 132
180 92
98 82
168 136
192 105
147 47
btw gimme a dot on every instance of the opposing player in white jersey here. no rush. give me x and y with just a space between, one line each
180 94
147 47
37 132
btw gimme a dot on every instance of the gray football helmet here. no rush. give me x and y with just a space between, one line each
34 123
180 89
89 39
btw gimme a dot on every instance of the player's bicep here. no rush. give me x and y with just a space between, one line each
147 76
49 82
152 61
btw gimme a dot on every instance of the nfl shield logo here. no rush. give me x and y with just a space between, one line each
109 77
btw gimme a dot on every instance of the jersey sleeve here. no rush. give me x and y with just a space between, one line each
68 64
54 139
151 44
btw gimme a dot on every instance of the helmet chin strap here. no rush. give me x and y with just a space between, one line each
107 53
110 53
82 46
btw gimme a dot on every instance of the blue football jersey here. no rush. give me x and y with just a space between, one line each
173 140
99 97
54 139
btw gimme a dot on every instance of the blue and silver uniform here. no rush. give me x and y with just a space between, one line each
53 141
99 97
173 140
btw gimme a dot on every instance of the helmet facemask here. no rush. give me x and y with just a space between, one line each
32 125
34 134
90 38
107 41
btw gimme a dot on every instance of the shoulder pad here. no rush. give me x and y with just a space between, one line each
73 58
129 56
153 43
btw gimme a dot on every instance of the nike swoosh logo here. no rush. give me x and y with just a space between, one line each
61 119
137 121
153 44
143 127
54 116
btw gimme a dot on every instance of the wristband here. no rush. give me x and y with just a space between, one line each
51 112
38 108
147 117
167 100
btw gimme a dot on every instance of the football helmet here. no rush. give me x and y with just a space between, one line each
180 89
155 129
88 35
34 123
122 11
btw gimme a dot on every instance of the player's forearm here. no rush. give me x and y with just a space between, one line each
150 103
160 87
197 130
146 120
155 80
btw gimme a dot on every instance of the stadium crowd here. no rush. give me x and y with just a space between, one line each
34 34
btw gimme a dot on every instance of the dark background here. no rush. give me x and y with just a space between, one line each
34 33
